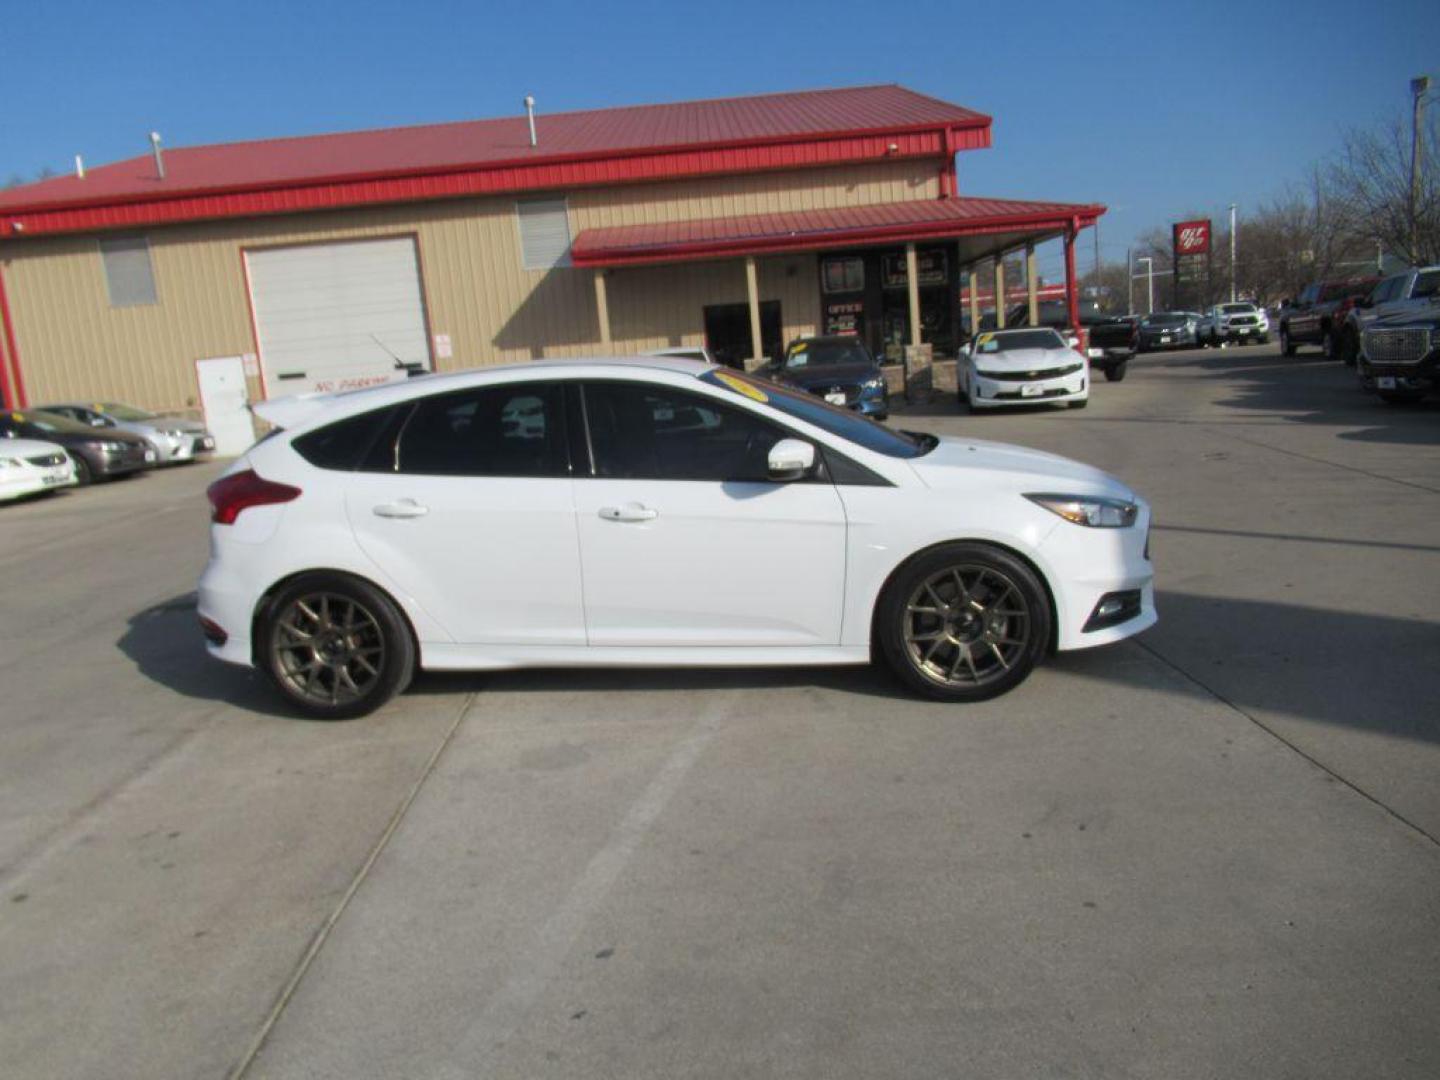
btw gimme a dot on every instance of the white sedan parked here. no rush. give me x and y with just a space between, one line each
1030 366
649 512
31 465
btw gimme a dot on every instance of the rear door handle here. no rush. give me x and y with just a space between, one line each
628 512
403 508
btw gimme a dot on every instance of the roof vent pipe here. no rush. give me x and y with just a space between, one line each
159 155
530 112
79 167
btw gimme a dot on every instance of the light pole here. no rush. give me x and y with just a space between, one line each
1418 87
1232 252
1149 283
1129 281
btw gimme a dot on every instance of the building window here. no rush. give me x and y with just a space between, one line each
844 275
544 233
128 274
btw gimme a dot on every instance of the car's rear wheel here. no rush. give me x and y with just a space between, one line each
1116 372
336 647
1349 347
1329 345
963 622
1287 347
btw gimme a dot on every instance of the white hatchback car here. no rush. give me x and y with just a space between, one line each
1029 366
649 512
31 465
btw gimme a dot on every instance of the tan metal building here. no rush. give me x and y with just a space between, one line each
260 269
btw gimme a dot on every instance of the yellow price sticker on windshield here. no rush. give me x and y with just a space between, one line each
983 338
740 386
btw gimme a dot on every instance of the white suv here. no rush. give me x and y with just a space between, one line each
1239 321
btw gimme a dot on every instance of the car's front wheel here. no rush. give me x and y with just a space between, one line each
963 622
336 647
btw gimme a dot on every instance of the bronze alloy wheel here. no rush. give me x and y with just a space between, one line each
963 621
328 648
966 626
337 646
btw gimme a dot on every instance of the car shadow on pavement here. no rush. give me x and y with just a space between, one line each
1372 673
165 644
1308 389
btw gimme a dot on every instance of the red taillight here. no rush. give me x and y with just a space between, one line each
231 494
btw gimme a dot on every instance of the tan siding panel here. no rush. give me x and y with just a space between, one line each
74 345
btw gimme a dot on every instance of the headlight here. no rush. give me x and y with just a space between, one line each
174 433
877 383
1190 325
1093 511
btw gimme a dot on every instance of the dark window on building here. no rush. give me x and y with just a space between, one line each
655 433
343 444
129 277
516 429
843 275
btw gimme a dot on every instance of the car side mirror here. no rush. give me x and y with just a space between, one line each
790 459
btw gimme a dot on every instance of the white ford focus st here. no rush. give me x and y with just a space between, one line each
645 512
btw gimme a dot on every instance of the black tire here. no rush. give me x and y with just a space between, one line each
1349 347
83 475
1263 339
1116 372
988 609
1287 347
1328 345
1078 404
335 646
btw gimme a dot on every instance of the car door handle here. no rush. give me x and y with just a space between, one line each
629 512
404 508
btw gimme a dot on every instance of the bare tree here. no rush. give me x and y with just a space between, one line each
1370 183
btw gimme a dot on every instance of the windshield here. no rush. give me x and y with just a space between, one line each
128 413
1011 340
848 425
52 422
825 354
1238 309
1345 289
1165 318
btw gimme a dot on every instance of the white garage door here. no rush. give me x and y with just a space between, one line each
329 316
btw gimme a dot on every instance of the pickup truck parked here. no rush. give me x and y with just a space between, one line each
1400 356
1238 321
1318 316
1412 293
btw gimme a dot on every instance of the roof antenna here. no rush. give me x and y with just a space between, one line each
79 167
159 156
530 112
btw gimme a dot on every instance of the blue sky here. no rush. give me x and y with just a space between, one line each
1153 109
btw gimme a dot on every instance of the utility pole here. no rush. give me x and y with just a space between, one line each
1096 230
1418 87
1129 281
1149 283
1232 253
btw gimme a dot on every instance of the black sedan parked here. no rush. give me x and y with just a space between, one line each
97 453
839 369
1167 330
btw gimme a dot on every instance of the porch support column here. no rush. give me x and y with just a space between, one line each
974 302
1032 284
752 293
602 306
912 286
1000 291
1072 297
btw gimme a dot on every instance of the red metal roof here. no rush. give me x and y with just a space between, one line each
486 155
807 230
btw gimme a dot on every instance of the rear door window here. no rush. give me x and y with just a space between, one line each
514 429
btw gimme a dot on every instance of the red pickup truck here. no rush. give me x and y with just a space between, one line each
1317 317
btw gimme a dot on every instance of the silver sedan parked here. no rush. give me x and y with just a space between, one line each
175 438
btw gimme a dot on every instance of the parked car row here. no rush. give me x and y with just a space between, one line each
64 445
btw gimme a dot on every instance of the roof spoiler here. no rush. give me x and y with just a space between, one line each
289 412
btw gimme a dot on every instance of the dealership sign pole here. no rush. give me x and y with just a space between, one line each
1190 241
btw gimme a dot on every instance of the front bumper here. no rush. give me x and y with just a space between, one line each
1174 340
1424 374
996 393
119 462
17 483
1243 333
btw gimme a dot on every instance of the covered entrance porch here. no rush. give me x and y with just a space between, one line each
891 274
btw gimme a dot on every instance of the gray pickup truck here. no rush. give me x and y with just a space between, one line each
1415 292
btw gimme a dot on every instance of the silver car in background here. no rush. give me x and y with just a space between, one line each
175 438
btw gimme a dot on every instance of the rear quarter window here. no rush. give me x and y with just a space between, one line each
344 444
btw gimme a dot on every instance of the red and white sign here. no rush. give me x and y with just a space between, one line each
1192 237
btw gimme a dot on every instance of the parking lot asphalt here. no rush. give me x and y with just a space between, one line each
1213 851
